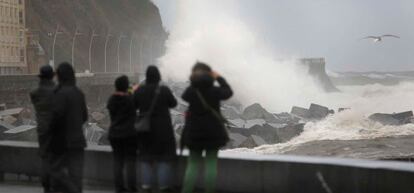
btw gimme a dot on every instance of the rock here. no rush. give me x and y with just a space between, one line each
300 112
392 119
249 143
230 112
9 119
287 118
258 140
318 112
93 133
256 111
5 126
239 123
288 132
236 139
343 109
21 133
14 111
403 117
97 116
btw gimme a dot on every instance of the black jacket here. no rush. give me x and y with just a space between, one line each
42 103
122 113
204 130
159 143
69 115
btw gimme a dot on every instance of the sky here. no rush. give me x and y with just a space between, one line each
330 29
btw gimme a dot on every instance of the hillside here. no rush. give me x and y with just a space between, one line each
139 19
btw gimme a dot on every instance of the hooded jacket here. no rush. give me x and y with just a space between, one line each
204 130
69 112
159 143
42 103
122 112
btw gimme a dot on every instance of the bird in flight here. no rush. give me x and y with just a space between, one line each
379 38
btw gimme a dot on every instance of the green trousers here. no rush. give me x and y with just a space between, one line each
193 165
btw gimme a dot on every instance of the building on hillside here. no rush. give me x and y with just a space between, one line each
12 37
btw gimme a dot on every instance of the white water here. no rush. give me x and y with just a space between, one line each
212 31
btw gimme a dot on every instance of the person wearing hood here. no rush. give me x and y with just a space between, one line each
122 136
68 142
157 147
42 102
204 129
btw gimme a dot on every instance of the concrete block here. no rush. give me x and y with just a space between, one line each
300 112
318 111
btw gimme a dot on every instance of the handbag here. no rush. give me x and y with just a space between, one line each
143 121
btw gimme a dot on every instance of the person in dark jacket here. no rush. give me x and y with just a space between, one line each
42 103
156 147
204 128
68 140
122 136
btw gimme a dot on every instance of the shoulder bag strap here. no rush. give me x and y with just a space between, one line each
154 101
208 107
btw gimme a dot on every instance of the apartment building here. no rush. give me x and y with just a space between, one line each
12 37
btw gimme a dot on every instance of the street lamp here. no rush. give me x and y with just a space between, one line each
106 45
119 44
57 32
77 33
90 49
130 54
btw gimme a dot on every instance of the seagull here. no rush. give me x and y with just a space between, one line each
379 38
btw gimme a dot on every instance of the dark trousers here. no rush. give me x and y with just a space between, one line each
67 170
125 158
45 174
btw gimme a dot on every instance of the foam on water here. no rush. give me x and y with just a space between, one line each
353 124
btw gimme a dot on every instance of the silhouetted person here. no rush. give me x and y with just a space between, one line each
204 129
68 140
123 137
157 148
42 103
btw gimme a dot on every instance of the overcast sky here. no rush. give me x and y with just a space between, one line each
331 29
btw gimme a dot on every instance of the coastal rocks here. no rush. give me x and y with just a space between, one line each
392 119
315 112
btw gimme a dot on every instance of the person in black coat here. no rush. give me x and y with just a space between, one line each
156 147
122 136
204 128
68 140
42 103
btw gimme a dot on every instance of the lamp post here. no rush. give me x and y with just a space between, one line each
57 32
90 49
119 45
130 54
106 45
77 33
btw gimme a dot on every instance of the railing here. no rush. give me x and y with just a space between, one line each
244 172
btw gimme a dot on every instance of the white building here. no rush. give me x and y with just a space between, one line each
12 37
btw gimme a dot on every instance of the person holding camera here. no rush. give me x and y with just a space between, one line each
204 129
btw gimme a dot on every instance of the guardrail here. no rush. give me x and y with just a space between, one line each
243 172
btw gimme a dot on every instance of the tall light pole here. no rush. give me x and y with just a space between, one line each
77 33
141 62
53 46
130 54
90 49
106 45
119 44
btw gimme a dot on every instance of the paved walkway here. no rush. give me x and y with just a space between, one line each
30 188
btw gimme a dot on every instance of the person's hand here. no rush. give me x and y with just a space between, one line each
215 74
135 87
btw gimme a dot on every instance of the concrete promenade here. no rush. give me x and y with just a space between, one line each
246 173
